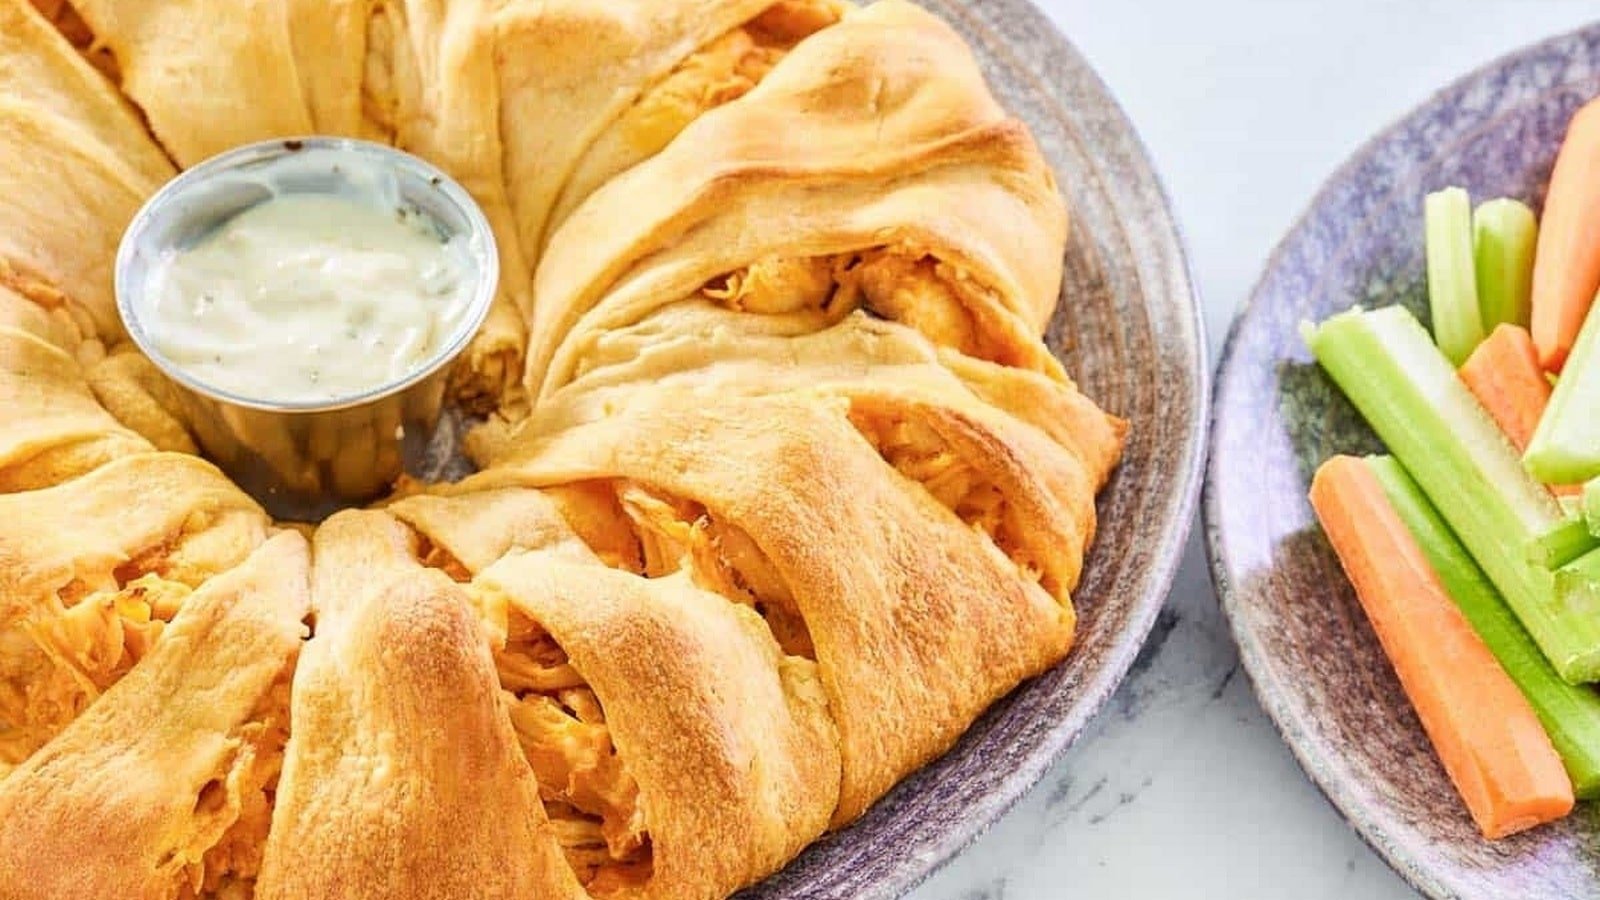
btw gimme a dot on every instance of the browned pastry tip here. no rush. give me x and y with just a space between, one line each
162 788
723 762
402 777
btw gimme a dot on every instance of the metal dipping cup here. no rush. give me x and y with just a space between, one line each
303 460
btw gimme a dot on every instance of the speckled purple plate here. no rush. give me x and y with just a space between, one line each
1129 330
1314 660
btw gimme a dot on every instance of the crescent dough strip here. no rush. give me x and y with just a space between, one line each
473 531
699 344
569 68
160 787
328 39
141 397
402 777
38 66
208 76
918 623
723 70
64 202
912 191
73 537
54 325
52 429
89 571
730 741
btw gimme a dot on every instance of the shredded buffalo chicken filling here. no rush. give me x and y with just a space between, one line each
234 811
916 451
591 799
722 71
915 289
55 663
676 534
588 793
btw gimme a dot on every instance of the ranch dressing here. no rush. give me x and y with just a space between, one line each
308 297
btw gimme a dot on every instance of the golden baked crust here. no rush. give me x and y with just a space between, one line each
401 777
905 154
151 785
911 646
780 490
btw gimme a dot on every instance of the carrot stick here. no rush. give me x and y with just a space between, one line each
1504 374
1566 268
1485 732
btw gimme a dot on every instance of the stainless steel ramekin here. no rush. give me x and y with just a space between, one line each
305 459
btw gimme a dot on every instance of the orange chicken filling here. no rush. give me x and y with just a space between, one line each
912 288
720 72
916 451
591 799
234 811
675 533
588 794
75 645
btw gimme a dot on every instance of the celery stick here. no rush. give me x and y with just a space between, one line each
1591 505
1452 281
1562 544
1566 446
1411 396
1504 234
1579 581
1570 713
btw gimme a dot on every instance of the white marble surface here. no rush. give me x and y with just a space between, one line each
1182 788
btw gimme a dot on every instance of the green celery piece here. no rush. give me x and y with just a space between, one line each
1411 397
1570 713
1591 505
1578 585
1452 279
1504 235
1562 544
1566 446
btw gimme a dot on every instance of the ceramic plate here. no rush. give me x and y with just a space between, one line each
1129 331
1314 660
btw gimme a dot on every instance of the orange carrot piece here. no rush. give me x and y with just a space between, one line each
1487 736
1504 374
1566 267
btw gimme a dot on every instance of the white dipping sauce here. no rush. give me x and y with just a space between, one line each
308 297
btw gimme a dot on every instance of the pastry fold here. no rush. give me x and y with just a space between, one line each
871 168
208 76
162 789
1006 473
39 67
592 67
916 620
726 741
52 429
402 777
91 569
65 200
466 533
